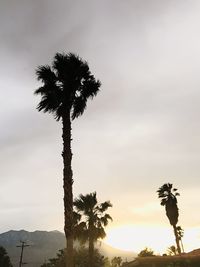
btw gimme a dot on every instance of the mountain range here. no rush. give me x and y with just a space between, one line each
43 245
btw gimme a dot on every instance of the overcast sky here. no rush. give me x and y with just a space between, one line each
142 129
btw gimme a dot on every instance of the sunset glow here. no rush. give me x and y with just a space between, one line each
135 238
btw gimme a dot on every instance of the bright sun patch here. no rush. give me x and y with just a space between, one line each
135 238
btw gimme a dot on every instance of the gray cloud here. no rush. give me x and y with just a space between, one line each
142 129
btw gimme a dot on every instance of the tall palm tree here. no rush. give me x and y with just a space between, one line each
168 196
66 87
95 218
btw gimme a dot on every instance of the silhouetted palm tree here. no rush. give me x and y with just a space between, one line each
180 232
168 199
172 251
95 218
67 85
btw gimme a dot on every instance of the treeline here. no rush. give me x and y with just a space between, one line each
81 259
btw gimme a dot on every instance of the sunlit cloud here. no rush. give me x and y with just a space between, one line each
146 209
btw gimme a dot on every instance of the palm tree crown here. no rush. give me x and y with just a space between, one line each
66 85
168 196
93 213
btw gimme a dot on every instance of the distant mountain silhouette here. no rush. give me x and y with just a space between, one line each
45 245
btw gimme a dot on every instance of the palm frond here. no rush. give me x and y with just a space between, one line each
51 103
180 232
90 87
69 67
61 66
99 232
76 217
81 232
105 219
45 74
79 204
85 203
168 196
104 206
163 202
70 77
78 107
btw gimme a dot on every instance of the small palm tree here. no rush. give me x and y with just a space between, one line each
95 219
168 196
180 232
172 251
66 87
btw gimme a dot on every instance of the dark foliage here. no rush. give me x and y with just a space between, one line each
92 215
4 258
66 85
147 252
81 259
168 196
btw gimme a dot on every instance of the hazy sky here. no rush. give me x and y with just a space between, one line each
142 129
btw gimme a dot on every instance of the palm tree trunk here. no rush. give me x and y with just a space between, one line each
91 250
177 239
67 186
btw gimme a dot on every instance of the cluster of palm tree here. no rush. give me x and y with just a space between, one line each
66 86
168 196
